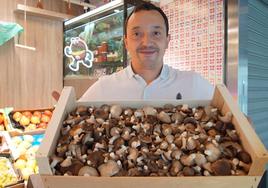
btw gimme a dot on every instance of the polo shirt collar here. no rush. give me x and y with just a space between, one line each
163 75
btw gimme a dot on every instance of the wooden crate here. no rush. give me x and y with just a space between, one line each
221 99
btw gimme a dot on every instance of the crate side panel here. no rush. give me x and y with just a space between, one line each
66 103
150 182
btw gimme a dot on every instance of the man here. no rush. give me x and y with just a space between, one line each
147 78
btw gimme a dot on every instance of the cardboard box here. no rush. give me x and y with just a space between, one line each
221 99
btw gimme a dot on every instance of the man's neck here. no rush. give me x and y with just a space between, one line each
148 75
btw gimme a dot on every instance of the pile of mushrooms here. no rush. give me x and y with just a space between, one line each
167 141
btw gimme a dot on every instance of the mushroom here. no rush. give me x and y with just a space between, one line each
138 113
133 172
133 154
88 171
169 138
190 120
212 152
177 117
200 159
149 110
115 131
166 129
227 118
76 130
199 113
81 110
176 154
95 158
126 133
244 156
188 171
66 162
221 167
87 139
101 113
188 160
145 139
116 111
128 112
109 169
55 161
176 167
134 142
191 144
244 166
164 117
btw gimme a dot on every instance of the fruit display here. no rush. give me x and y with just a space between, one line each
149 141
7 173
26 146
30 120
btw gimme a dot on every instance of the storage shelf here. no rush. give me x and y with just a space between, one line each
42 13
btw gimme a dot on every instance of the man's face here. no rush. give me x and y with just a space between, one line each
146 39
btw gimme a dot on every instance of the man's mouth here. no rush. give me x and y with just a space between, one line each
147 51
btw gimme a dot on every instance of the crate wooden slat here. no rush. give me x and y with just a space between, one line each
222 100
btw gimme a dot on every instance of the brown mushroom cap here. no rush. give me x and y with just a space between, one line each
221 167
88 171
109 169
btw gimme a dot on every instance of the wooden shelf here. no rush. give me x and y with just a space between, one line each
42 13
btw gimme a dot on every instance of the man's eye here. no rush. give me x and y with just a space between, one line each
157 33
136 34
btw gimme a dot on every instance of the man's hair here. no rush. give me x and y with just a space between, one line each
147 6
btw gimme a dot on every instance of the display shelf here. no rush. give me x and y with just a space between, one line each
42 13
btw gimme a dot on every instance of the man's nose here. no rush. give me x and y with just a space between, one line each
146 39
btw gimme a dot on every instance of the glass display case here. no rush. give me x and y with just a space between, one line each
93 44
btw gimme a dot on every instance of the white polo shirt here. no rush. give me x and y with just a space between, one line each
171 84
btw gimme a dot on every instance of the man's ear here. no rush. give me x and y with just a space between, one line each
125 41
168 39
